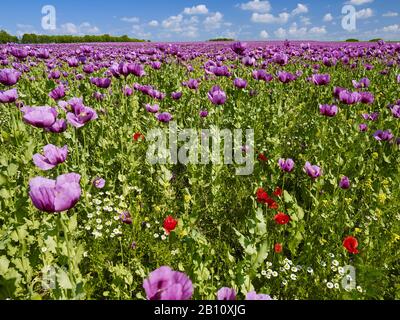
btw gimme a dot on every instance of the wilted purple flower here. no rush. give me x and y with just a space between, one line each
395 111
226 294
262 75
217 96
164 117
203 113
313 171
128 91
176 95
99 183
239 48
280 58
286 77
152 108
344 183
368 66
166 284
55 195
328 110
52 156
386 135
133 245
9 77
126 217
363 83
240 83
58 93
254 296
286 165
99 96
321 79
349 98
156 65
39 117
8 96
80 114
363 127
367 97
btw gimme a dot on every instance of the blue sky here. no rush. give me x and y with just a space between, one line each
178 20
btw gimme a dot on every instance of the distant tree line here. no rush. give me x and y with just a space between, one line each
36 38
222 39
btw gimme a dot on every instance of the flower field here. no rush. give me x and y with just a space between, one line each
84 214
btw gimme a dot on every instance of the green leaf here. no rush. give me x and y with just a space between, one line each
63 280
4 264
288 198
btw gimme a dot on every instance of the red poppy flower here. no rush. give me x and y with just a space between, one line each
278 247
262 157
262 196
282 218
351 244
138 136
169 224
272 204
278 192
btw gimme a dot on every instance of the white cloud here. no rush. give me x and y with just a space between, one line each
301 8
256 6
269 18
280 33
24 28
214 21
130 19
317 30
305 20
199 9
295 32
328 17
360 2
173 23
153 23
70 28
185 27
392 29
365 13
390 14
264 34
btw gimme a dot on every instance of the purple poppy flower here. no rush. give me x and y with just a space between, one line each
73 62
254 296
286 77
226 294
222 71
89 68
156 65
280 58
286 165
371 117
193 84
55 74
101 82
52 156
367 97
99 183
58 93
398 78
337 91
363 83
217 96
166 284
239 48
363 127
349 98
312 171
344 183
164 117
395 111
368 66
136 69
57 127
176 95
80 114
240 83
203 113
99 96
249 61
126 217
328 110
262 75
152 108
128 91
39 117
321 79
9 77
386 135
8 96
133 245
55 195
